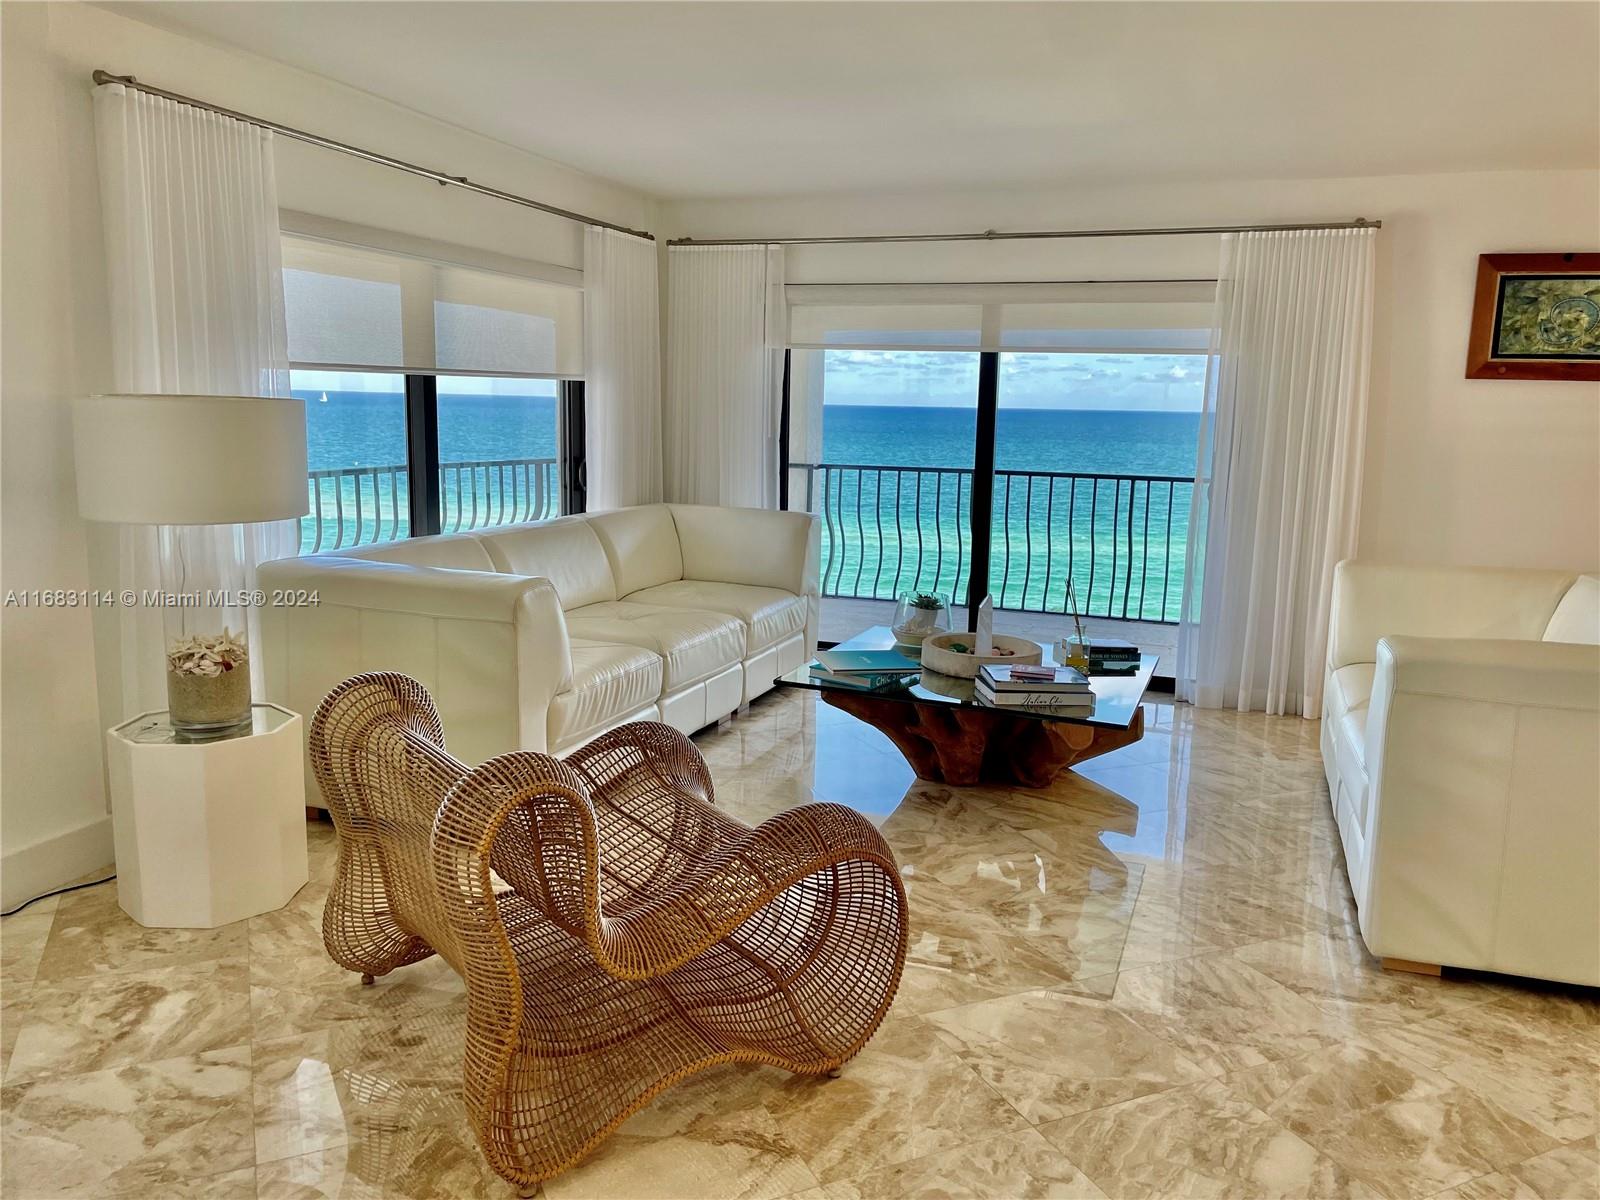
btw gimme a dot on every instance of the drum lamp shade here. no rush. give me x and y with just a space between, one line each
190 460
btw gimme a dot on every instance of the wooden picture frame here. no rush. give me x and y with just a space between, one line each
1536 316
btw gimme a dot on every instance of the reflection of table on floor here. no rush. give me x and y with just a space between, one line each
948 735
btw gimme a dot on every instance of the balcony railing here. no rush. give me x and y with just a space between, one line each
1121 539
359 506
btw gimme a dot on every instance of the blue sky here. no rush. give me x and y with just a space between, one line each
1129 382
1132 382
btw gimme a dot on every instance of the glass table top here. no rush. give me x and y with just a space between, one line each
1116 697
156 728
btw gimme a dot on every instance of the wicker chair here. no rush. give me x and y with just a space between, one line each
616 932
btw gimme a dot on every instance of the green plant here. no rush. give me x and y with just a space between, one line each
926 600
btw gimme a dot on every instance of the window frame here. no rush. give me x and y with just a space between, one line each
984 470
424 493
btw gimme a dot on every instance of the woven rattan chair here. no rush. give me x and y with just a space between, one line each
616 932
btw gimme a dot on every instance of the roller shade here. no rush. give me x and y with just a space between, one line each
349 307
1168 318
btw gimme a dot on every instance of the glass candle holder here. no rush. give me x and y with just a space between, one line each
1075 651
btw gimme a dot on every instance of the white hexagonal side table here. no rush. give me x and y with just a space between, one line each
207 832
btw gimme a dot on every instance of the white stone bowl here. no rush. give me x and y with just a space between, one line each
937 655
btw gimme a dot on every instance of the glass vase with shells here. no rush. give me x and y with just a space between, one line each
208 681
207 651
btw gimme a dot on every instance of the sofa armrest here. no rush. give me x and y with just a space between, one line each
756 546
1492 670
1373 600
492 647
1482 825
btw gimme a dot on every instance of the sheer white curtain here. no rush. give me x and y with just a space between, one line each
726 327
622 372
1278 488
189 201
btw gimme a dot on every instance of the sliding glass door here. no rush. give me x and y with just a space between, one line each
1095 460
892 479
1038 439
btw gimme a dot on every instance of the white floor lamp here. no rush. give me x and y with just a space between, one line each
174 461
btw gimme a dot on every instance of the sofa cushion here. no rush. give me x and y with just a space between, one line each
769 614
609 682
564 551
694 644
641 544
1577 617
453 551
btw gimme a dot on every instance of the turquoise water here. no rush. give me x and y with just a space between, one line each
1121 543
368 430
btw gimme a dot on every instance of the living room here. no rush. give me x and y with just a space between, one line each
555 409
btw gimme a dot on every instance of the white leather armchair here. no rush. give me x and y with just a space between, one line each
1461 741
543 635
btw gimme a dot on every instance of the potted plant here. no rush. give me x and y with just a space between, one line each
918 615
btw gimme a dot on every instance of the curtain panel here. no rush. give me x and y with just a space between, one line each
1278 483
726 327
622 370
189 202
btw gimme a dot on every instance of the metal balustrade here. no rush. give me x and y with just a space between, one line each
1121 539
886 530
361 506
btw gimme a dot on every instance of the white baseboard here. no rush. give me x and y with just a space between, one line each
56 861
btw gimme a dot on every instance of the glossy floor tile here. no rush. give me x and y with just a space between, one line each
1144 981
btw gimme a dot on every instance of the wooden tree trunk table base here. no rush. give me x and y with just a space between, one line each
961 744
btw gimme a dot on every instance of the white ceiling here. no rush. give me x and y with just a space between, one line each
748 99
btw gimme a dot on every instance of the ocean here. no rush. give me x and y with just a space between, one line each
1120 540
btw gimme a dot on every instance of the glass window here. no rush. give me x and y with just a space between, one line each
1094 469
498 450
881 443
356 450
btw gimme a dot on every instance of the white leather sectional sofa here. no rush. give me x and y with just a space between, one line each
542 635
1461 741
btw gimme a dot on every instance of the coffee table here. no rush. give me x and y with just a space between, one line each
948 735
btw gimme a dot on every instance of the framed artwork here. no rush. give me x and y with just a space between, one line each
1536 316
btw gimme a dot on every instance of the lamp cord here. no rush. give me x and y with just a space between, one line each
59 892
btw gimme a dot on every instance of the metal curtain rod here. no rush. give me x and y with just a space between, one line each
372 156
992 235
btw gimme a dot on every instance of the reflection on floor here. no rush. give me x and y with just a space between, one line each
1144 982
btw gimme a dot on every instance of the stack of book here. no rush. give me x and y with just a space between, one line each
1046 687
1112 656
864 669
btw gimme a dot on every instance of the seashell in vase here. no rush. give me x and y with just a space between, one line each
208 681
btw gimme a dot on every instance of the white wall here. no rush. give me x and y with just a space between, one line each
53 823
1457 470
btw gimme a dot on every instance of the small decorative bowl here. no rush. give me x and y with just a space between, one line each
938 653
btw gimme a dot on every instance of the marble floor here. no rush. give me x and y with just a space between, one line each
1144 982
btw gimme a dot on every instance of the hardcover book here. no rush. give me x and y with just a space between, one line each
1081 701
866 662
1003 678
